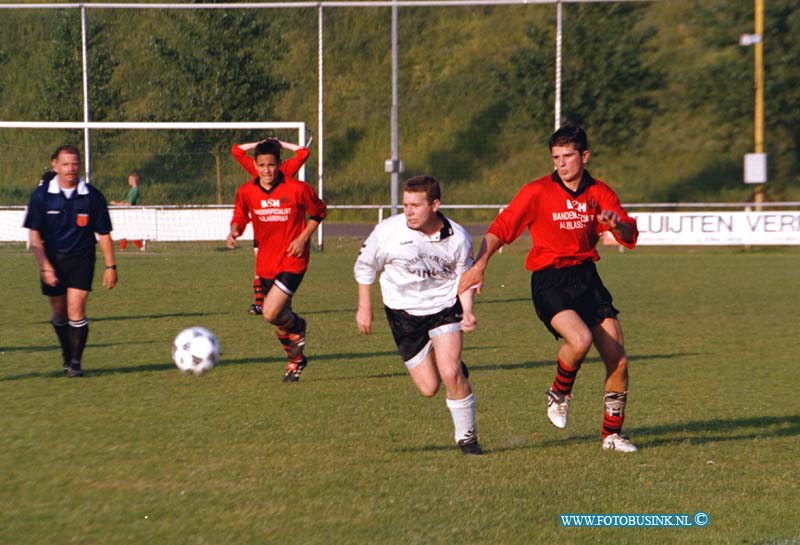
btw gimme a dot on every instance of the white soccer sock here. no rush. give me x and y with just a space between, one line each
463 413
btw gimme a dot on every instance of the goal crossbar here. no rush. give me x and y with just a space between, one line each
177 125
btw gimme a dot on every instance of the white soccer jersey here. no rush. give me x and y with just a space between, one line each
420 272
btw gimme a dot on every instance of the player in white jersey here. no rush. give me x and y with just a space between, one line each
422 255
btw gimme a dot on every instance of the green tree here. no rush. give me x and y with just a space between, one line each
61 87
607 86
216 66
3 59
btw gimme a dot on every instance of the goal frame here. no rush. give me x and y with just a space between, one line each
86 126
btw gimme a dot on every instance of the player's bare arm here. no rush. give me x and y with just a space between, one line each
248 146
110 272
233 235
364 311
298 245
468 320
611 219
287 145
46 270
473 277
284 145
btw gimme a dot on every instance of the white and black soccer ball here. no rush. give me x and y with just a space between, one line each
195 350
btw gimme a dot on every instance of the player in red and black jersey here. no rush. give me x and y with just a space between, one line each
278 205
566 212
290 167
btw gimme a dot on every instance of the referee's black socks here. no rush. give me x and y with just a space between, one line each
62 331
78 333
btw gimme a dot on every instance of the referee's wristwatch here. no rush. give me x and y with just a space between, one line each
112 267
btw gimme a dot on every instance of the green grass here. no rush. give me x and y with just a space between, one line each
138 453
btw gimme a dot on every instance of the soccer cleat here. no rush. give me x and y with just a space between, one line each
294 369
619 443
255 309
297 340
558 408
470 446
74 370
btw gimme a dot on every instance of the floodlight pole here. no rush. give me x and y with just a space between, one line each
87 159
759 83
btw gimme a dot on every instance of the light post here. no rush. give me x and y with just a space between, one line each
755 164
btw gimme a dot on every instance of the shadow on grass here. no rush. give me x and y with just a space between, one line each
513 300
155 316
128 317
149 368
254 360
698 432
56 348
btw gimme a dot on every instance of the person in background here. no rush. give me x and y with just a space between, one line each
66 218
131 199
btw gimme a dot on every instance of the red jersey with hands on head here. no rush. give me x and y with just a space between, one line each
289 167
279 217
563 224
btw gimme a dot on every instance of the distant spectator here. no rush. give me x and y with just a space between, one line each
131 199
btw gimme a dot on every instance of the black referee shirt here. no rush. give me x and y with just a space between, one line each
67 225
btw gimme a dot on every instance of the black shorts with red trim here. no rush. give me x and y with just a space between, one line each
413 334
72 270
285 281
577 288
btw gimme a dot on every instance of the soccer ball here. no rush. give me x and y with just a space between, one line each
195 350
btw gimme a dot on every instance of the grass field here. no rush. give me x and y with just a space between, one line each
138 453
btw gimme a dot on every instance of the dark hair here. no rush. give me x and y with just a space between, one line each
69 149
424 184
570 134
269 147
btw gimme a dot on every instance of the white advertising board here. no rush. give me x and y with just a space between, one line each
717 228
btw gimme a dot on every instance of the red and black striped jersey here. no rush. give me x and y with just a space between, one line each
279 217
562 223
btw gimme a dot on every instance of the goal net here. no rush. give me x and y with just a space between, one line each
209 200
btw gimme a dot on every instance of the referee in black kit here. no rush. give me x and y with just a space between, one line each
63 215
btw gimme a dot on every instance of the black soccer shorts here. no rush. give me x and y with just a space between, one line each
73 271
413 334
287 282
577 288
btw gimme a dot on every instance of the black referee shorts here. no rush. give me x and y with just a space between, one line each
577 288
73 271
413 334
